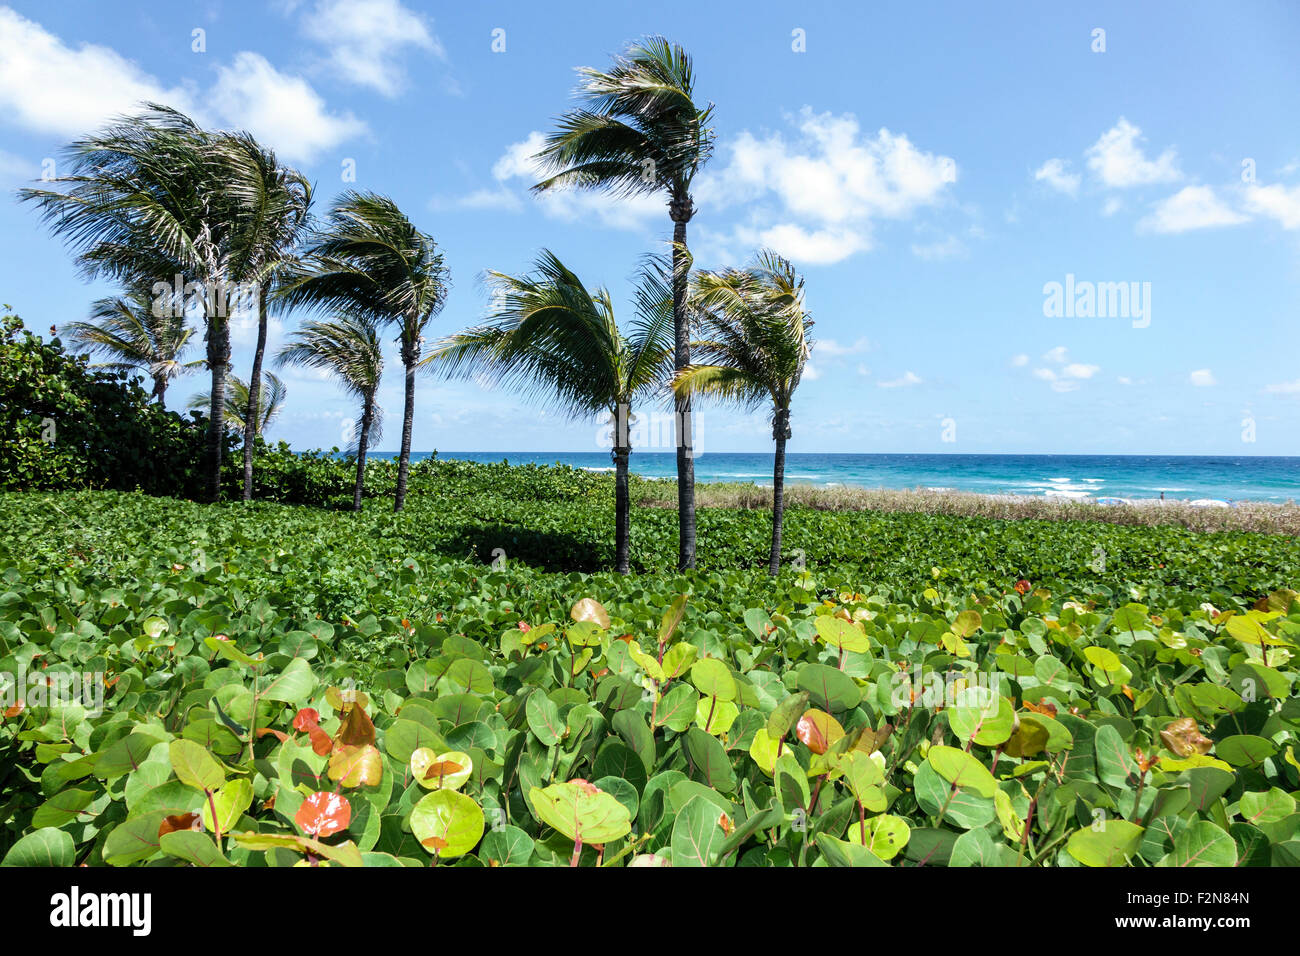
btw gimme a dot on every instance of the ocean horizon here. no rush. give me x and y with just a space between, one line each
1079 477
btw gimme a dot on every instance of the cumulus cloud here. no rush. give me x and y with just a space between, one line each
831 348
824 186
1119 161
1202 377
281 109
906 379
1067 377
1276 202
1018 361
517 170
812 195
49 86
366 39
1192 207
1055 174
1284 388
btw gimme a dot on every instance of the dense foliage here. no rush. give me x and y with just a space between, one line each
66 425
284 684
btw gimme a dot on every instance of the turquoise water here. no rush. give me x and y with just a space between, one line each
1082 477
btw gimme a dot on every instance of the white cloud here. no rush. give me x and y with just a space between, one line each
830 348
1277 202
1192 207
1018 361
827 185
1202 377
51 87
907 378
1284 388
1118 160
948 248
280 109
1079 370
810 372
1054 173
819 248
518 168
1124 380
863 370
1068 377
1111 206
365 40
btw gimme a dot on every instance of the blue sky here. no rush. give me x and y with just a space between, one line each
930 168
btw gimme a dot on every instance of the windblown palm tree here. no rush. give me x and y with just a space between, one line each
270 402
753 350
371 260
271 206
640 131
349 349
146 200
136 332
559 343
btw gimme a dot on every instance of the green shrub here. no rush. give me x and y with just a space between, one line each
65 425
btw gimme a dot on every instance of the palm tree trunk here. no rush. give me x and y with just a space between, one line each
408 421
159 389
780 431
363 440
218 361
622 512
681 209
251 423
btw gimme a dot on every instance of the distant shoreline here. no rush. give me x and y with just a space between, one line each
1257 516
1212 481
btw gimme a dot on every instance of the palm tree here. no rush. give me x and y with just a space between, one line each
639 131
754 347
348 347
558 342
135 332
371 260
145 203
271 204
270 402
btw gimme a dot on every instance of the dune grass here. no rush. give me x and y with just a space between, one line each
1246 516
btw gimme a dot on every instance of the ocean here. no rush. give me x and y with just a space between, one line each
1084 477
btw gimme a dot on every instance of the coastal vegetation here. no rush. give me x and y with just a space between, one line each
451 685
354 660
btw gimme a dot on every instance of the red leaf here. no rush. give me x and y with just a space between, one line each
324 814
321 743
305 719
181 821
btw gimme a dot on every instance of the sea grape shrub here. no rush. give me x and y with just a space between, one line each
624 725
66 425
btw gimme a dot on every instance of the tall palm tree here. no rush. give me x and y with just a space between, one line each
347 347
271 206
145 201
136 332
753 350
270 402
371 260
639 130
558 342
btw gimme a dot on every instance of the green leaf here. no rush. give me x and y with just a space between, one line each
44 847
